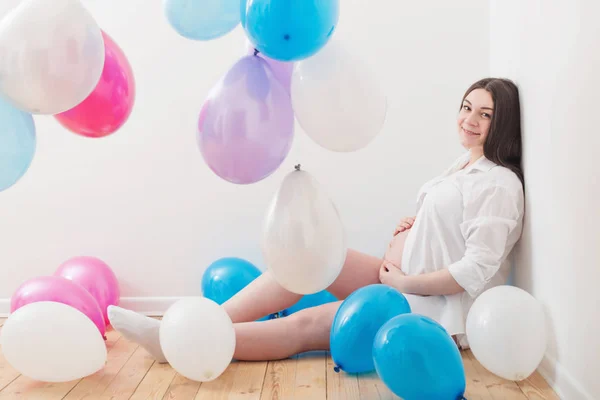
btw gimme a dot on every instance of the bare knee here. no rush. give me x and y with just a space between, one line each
313 325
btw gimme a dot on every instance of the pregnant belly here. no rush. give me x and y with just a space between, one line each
396 248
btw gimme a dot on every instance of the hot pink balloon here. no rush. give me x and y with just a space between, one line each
59 290
109 105
95 276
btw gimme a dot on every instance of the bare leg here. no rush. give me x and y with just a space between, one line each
276 339
264 295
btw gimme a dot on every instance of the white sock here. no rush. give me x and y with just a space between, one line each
139 329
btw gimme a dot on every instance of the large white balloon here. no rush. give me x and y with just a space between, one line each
506 330
52 342
51 55
337 100
304 242
197 338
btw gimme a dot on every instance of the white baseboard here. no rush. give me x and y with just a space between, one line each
151 306
563 383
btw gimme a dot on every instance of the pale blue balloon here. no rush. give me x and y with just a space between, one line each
17 143
202 19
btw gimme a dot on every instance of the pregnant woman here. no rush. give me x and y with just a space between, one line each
468 219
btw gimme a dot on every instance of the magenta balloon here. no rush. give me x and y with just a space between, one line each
281 69
95 276
246 126
59 290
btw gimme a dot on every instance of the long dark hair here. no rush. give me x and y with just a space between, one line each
503 143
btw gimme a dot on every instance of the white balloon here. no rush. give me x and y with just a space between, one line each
52 342
506 330
304 243
197 338
51 55
337 100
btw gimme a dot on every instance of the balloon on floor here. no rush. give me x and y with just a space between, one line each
197 338
417 359
308 301
61 290
506 329
96 277
227 276
356 323
50 341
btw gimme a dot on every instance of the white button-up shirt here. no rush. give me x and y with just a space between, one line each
467 220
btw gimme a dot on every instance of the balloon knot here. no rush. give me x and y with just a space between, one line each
336 369
256 52
297 166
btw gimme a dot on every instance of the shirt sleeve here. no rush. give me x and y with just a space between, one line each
491 225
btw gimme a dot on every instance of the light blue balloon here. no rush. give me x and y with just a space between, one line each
356 323
289 30
308 301
17 143
416 359
202 19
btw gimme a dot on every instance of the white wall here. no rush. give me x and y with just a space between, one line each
143 199
552 50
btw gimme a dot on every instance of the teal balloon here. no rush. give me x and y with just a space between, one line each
17 143
417 359
202 19
227 276
289 30
308 301
356 323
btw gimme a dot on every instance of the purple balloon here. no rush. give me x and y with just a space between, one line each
59 290
246 126
281 69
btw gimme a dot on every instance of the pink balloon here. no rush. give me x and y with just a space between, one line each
109 105
59 290
95 276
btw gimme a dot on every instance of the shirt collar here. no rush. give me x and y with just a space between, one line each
483 164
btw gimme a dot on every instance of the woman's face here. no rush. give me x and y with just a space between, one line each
475 118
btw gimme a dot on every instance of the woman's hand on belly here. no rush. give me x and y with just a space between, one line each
404 225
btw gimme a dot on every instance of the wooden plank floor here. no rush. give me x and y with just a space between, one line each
131 374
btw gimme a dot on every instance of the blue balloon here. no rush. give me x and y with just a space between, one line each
310 300
202 20
288 30
227 276
416 358
356 323
17 143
